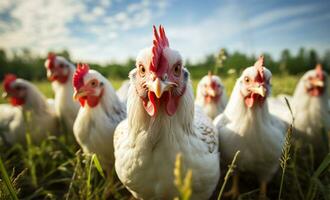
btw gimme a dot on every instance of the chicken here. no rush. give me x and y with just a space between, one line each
60 72
247 126
161 122
309 106
99 114
122 92
40 120
11 124
211 95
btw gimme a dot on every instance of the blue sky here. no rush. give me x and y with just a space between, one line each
104 31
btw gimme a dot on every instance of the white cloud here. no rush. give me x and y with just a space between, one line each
45 24
231 27
110 33
5 5
277 14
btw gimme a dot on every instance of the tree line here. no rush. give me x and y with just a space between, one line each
31 67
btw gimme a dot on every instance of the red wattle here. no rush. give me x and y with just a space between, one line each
316 91
63 79
82 101
151 105
249 101
16 101
93 101
253 98
172 103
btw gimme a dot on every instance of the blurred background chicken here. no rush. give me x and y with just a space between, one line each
99 114
122 92
60 72
11 124
247 126
310 108
211 95
37 118
162 123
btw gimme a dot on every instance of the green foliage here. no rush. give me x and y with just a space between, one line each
183 184
7 182
286 150
55 169
231 169
31 67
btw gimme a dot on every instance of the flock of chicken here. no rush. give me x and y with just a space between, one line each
140 129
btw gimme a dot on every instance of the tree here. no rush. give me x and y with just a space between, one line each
313 58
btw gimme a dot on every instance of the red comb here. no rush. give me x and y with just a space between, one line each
259 66
159 43
9 78
51 57
78 76
319 71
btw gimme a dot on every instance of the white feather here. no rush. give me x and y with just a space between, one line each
37 116
12 124
146 148
311 113
66 109
94 127
122 92
212 109
254 131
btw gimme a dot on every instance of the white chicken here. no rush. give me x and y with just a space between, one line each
211 95
162 123
309 106
122 92
60 72
247 126
41 120
11 124
99 114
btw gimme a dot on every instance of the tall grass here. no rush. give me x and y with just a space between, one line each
7 181
286 149
183 184
55 169
231 168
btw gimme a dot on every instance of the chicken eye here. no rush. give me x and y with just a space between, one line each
142 70
18 88
61 66
177 70
246 79
93 83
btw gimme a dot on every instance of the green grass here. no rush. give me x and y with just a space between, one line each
279 86
56 169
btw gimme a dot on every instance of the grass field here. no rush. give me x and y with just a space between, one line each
281 84
57 169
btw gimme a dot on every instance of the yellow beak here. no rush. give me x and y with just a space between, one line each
261 90
211 92
159 87
4 95
78 94
318 83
